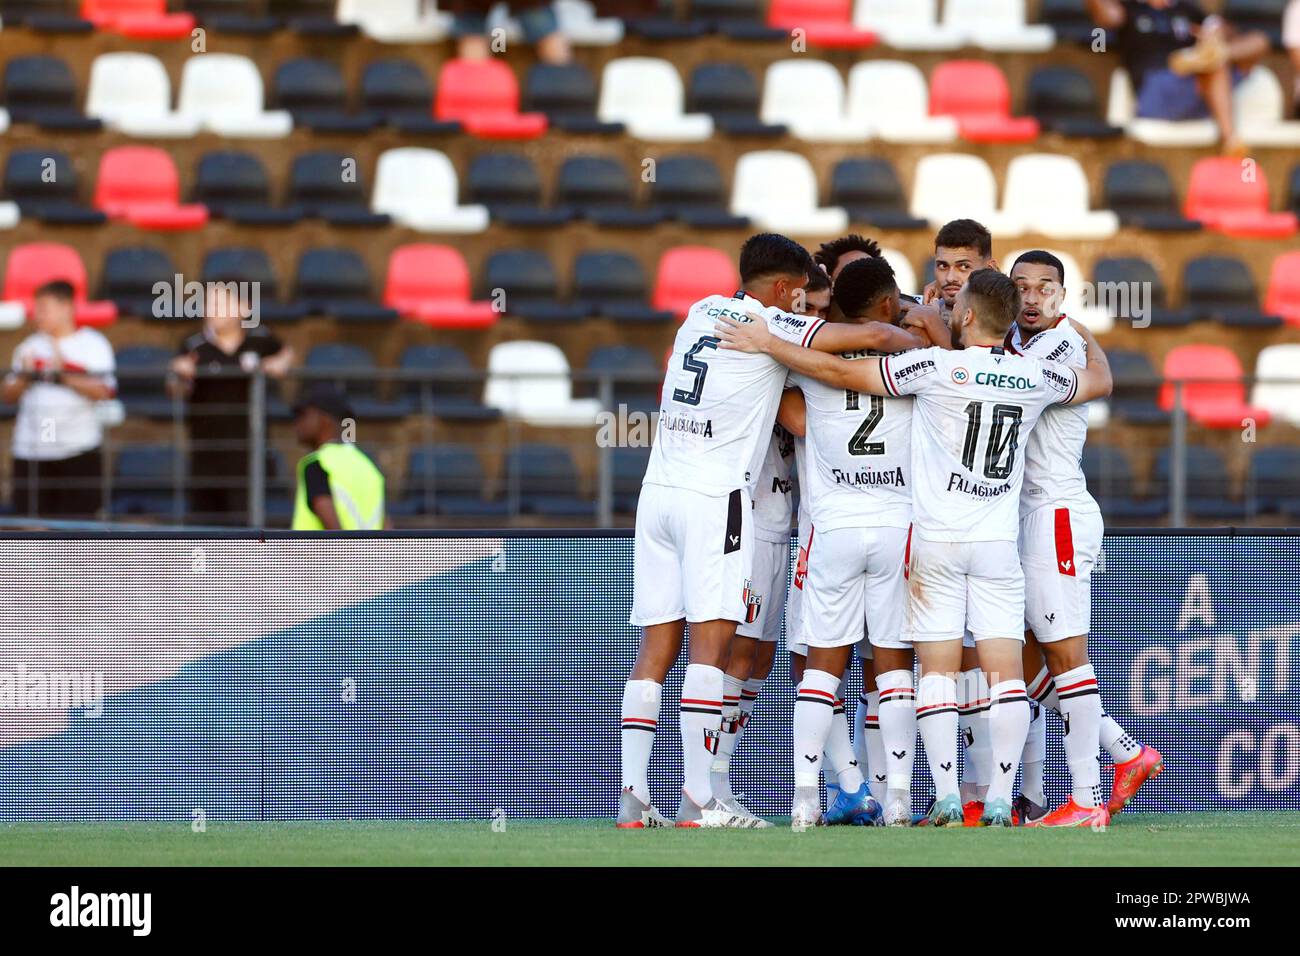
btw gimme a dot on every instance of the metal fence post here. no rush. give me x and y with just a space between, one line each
1178 461
257 449
605 461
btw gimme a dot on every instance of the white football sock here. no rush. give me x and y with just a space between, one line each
936 718
1081 713
897 729
1033 781
1116 741
1008 724
1043 689
814 710
972 706
874 767
841 760
640 720
729 735
701 721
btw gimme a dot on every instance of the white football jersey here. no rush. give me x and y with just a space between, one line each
773 490
974 409
859 457
1054 451
718 405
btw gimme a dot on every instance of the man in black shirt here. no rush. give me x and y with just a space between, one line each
218 404
1183 63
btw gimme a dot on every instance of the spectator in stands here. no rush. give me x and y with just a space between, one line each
536 17
1183 63
339 487
1291 40
218 403
59 372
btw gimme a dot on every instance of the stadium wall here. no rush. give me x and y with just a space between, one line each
268 676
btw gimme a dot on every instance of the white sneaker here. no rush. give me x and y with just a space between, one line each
747 819
806 811
635 815
711 816
897 814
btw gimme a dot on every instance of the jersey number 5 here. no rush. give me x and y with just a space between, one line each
692 363
858 444
1004 437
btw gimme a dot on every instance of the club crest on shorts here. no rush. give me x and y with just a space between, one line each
711 740
801 568
753 601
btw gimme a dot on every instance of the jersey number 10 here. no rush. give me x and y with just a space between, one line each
1004 435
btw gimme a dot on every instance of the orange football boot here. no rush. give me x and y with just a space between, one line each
1131 774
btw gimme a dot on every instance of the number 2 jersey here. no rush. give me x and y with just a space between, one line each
718 405
974 409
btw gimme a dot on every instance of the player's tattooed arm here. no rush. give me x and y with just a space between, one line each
793 412
865 337
1095 381
862 375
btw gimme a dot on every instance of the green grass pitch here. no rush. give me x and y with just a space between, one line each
1152 839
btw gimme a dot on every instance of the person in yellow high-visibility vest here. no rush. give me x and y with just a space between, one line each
339 487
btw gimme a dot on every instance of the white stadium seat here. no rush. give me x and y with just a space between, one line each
132 93
891 97
904 275
1095 317
807 96
224 93
645 94
419 189
4 120
959 186
1121 110
906 24
1260 106
998 25
1098 414
530 381
578 21
396 21
1049 194
1282 398
778 192
9 215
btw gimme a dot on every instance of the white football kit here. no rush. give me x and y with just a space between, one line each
860 504
803 540
1061 526
974 408
694 521
772 512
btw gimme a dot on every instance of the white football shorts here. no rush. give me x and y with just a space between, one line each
1059 548
794 601
855 580
771 582
953 586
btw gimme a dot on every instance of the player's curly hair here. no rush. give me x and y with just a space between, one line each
828 253
994 298
862 284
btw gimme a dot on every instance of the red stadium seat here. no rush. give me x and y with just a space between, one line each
140 185
688 274
976 94
146 19
430 283
1283 296
1217 403
1232 198
32 265
483 96
827 23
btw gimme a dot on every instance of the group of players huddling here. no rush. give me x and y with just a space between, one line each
944 527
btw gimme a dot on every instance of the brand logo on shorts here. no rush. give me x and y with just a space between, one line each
960 376
1051 618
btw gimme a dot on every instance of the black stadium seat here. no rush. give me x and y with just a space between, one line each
530 284
870 192
233 16
613 359
141 380
43 182
42 90
1065 101
336 282
318 183
252 265
1134 398
398 92
129 279
663 24
315 92
1112 277
1273 482
1293 190
341 358
1070 20
567 95
1262 15
599 188
691 189
1109 475
451 392
235 186
509 185
737 19
143 478
1209 490
613 285
1222 289
1142 195
446 480
45 16
313 18
729 93
629 467
545 478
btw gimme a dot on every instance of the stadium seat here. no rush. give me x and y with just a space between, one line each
645 94
1095 316
446 480
544 479
599 188
530 381
950 186
1131 290
1260 108
45 16
1222 289
688 274
418 188
1278 391
140 19
578 21
1283 297
356 370
336 282
483 96
976 94
130 276
629 467
508 185
1142 195
525 283
43 183
1134 396
131 93
328 185
567 95
316 94
140 184
312 18
1049 194
734 19
252 265
33 264
400 94
1069 20
777 190
826 23
1109 475
1064 100
904 275
141 373
807 97
1121 110
906 24
690 188
144 480
729 93
1262 15
223 93
233 16
431 284
42 90
235 186
613 285
1213 393
1230 197
890 98
997 25
449 386
869 191
396 21
1273 481
625 361
1209 489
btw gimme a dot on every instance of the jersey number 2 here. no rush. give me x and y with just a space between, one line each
692 363
858 444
